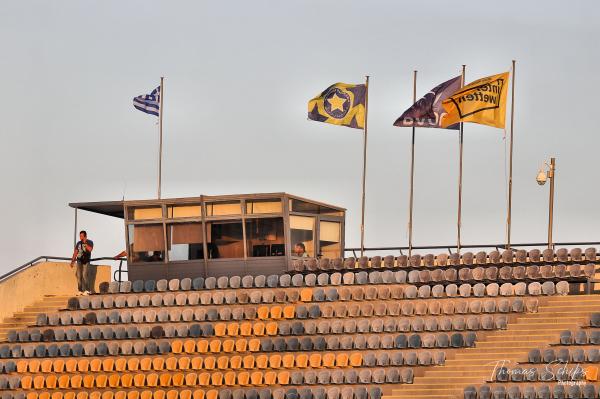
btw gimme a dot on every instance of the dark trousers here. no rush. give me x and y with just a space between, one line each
83 274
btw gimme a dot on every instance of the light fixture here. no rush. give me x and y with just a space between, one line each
541 177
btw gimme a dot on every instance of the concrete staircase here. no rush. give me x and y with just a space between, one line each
475 366
27 317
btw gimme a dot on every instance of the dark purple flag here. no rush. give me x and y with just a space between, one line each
427 111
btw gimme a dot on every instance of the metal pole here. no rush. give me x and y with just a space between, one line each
412 173
364 172
460 172
551 175
75 237
160 128
510 168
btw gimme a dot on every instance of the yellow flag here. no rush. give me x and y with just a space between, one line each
483 102
340 104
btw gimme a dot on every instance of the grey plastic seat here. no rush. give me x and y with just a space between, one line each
162 285
491 273
519 272
323 279
413 276
361 278
465 290
272 280
210 283
424 291
479 290
285 280
494 257
348 278
492 289
310 280
260 281
406 375
506 289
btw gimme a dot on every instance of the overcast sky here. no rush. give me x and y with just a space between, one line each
238 78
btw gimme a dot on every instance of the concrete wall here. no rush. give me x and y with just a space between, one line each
44 278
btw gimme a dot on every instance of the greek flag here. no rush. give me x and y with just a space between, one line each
148 103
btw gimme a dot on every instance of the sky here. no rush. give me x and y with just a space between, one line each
238 75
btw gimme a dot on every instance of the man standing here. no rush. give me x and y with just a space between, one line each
83 254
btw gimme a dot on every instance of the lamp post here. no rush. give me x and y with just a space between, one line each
541 180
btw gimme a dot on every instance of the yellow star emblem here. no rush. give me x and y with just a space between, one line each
337 103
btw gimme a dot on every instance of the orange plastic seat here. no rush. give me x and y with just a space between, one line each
114 380
44 395
108 364
56 395
152 380
126 380
189 346
270 377
262 361
58 366
306 295
276 312
204 379
88 381
158 394
177 379
71 366
133 364
591 373
262 312
51 381
256 378
253 345
190 379
164 380
315 360
229 378
76 381
69 395
185 394
157 364
275 361
202 346
95 365
220 329
288 360
32 395
215 346
283 377
272 328
258 329
209 363
26 382
197 363
241 345
139 380
101 380
243 378
356 359
183 363
329 360
63 381
132 395
248 362
121 364
233 329
246 329
21 366
289 312
176 346
120 395
108 394
302 361
83 365
145 395
222 362
33 366
95 395
171 363
341 360
198 394
228 345
212 394
83 395
216 379
172 394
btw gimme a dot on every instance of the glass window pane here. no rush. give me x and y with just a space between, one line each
224 239
330 237
146 243
145 213
265 237
185 241
308 207
263 206
224 208
302 234
184 211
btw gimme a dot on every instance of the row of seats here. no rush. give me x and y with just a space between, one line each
371 277
549 372
436 322
237 362
348 392
543 391
373 341
443 259
333 294
580 337
214 379
564 355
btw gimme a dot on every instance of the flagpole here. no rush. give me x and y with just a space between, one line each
160 132
510 168
460 172
364 172
412 173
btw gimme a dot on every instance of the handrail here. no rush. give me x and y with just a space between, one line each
46 258
449 247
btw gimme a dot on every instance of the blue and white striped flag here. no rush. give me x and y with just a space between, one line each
148 103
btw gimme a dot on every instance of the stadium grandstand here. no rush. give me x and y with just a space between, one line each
215 303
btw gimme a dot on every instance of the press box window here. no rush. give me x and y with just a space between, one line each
302 230
255 207
146 243
145 213
224 208
264 237
330 238
185 241
225 239
184 211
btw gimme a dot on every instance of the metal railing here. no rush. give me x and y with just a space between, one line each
46 258
451 247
